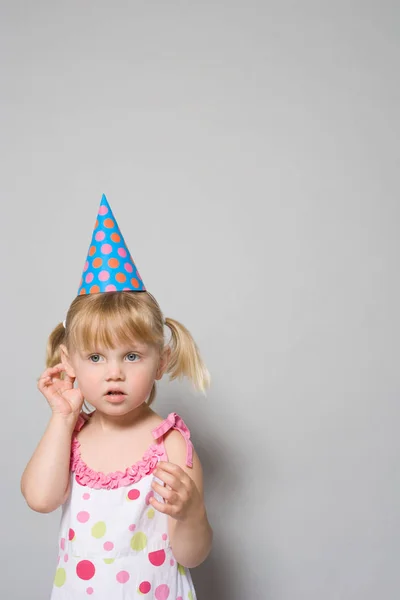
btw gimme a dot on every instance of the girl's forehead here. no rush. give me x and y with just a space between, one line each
118 347
123 346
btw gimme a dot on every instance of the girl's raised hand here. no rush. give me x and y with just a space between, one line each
61 395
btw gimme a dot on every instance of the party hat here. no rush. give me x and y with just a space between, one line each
109 267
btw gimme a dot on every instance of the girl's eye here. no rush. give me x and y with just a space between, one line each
95 358
131 357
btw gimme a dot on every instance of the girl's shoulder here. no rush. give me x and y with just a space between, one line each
173 422
175 435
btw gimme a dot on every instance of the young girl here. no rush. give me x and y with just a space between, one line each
129 482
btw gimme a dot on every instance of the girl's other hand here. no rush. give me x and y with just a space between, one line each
182 500
61 395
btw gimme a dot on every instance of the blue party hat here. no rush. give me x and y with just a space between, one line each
109 267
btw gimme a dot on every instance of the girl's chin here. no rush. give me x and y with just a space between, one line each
120 404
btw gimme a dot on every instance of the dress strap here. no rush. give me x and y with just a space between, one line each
174 421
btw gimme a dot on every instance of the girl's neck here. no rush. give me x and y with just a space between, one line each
111 423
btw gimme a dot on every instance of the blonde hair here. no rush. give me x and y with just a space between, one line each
112 318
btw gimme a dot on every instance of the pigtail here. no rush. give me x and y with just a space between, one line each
53 352
185 359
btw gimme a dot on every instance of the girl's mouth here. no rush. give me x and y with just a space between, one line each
115 396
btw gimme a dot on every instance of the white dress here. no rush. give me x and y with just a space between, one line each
113 544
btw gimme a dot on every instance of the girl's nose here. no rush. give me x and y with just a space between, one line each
114 371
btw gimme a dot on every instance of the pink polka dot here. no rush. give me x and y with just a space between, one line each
145 587
108 546
122 252
83 516
86 496
132 527
85 570
89 277
110 288
103 210
100 235
179 598
172 562
126 289
106 249
71 534
164 536
66 557
62 543
123 576
104 275
128 267
162 592
85 268
133 494
89 590
157 558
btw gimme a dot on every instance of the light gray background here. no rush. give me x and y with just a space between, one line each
250 152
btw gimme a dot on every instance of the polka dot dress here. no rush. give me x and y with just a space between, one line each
113 544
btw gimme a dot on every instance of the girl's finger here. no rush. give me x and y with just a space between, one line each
68 377
171 468
57 368
171 480
181 477
43 381
52 371
163 491
160 506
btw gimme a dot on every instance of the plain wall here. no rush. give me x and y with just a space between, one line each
250 153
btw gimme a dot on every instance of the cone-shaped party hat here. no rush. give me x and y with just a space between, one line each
109 267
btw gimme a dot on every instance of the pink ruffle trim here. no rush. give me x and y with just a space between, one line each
94 479
86 476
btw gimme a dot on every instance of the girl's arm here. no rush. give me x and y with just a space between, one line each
189 530
45 481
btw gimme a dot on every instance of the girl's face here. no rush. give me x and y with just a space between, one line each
116 381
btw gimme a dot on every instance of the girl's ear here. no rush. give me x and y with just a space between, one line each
65 359
164 360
